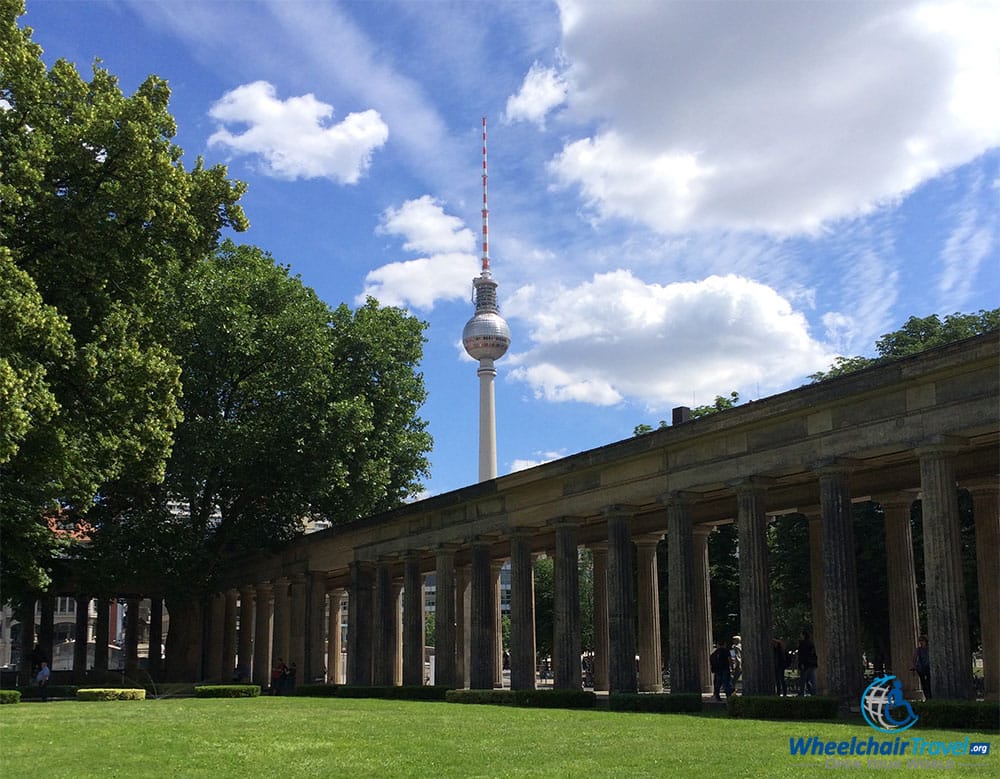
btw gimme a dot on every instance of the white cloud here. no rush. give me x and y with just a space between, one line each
445 274
616 338
974 239
293 137
779 117
540 459
543 89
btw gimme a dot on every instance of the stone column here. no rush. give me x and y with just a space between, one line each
384 638
444 618
47 626
80 638
132 635
229 636
987 516
281 619
702 604
315 667
566 608
685 653
297 596
650 677
154 656
244 651
413 621
262 623
844 676
601 638
904 622
101 626
397 632
947 609
755 593
334 642
496 567
216 619
522 612
482 656
817 602
621 602
463 624
359 625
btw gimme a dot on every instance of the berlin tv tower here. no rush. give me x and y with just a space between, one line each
486 338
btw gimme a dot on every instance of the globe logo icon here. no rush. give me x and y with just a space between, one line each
884 708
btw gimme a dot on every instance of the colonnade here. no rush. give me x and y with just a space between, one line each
292 615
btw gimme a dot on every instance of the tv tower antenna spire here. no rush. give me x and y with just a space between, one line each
486 338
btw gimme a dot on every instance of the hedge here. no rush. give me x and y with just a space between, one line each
227 691
110 694
49 691
410 693
973 715
10 696
659 704
815 707
536 699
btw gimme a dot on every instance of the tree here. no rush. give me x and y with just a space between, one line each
98 211
916 335
291 411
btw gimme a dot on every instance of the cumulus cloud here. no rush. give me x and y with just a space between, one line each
293 138
779 117
540 459
444 274
543 89
617 338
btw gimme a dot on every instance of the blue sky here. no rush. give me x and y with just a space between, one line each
686 198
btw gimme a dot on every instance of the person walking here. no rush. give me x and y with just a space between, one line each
780 658
922 665
42 679
718 662
808 662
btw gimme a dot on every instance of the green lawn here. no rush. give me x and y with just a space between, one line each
313 737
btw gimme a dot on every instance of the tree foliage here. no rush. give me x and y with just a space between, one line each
98 211
916 335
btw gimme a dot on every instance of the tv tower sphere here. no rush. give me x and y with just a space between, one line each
486 336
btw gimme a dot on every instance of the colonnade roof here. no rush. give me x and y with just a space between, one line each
873 424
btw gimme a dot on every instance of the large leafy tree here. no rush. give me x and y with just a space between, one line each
291 411
98 211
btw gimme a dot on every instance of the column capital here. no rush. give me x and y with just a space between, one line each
702 530
940 446
618 510
987 485
647 539
677 497
900 498
832 466
752 484
565 520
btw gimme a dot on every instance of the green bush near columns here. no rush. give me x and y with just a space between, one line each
34 693
659 704
407 693
974 715
814 707
9 696
534 699
227 691
110 694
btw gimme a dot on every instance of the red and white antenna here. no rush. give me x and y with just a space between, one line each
486 210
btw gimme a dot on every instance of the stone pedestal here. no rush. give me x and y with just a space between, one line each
904 624
755 593
522 613
622 676
947 609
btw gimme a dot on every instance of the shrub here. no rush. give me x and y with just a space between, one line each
319 690
411 693
660 704
227 691
10 696
538 699
770 707
973 715
110 694
422 692
50 691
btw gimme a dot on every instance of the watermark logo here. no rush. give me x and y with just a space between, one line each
884 707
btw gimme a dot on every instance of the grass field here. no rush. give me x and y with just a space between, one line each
313 737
